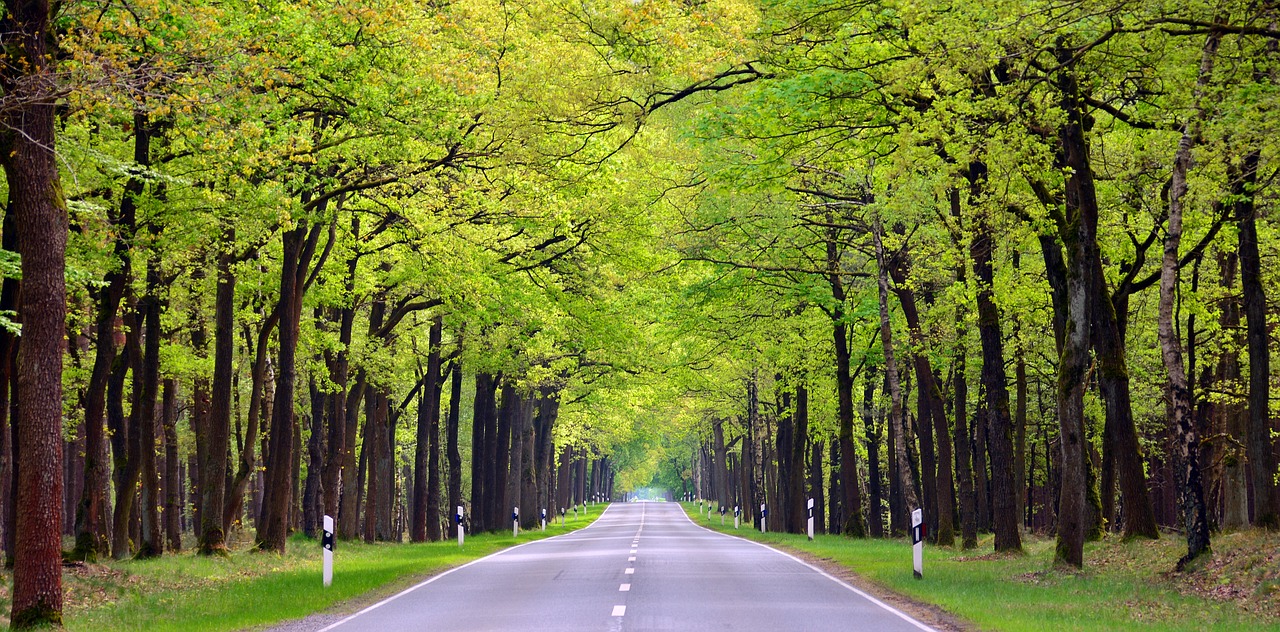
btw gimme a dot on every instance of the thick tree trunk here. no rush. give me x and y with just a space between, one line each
40 214
1078 237
1119 430
851 496
1005 514
212 528
426 476
298 248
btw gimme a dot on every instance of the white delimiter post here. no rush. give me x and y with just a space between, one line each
737 513
764 517
326 542
515 522
461 529
544 519
917 543
811 519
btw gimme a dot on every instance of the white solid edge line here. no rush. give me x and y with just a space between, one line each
902 615
457 568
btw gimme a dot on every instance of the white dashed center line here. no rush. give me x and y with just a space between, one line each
624 588
630 571
618 611
631 559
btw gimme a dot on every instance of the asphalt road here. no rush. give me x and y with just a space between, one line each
640 566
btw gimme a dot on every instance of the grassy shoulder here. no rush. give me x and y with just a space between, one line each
1124 585
248 590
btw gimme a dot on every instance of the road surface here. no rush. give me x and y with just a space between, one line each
640 566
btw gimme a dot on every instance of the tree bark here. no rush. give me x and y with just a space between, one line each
147 381
1005 515
1079 240
173 496
851 496
298 249
1190 485
1262 462
875 493
426 476
452 455
896 416
40 214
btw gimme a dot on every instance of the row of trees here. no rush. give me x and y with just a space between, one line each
317 259
994 203
309 259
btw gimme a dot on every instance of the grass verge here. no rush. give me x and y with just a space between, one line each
1124 585
248 590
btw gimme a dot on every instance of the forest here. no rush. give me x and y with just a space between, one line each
1013 263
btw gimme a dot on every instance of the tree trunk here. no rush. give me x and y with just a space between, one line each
875 494
173 496
298 248
40 214
1005 514
851 496
452 455
1262 462
500 505
799 445
1078 237
212 536
312 504
148 382
1190 486
896 416
426 475
481 461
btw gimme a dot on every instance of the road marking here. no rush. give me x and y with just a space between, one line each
619 611
631 559
902 615
458 568
630 571
624 588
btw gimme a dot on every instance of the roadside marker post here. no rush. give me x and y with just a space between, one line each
917 543
515 522
810 519
764 518
326 543
737 513
461 529
722 515
544 519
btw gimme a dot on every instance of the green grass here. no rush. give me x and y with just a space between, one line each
244 590
1125 585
